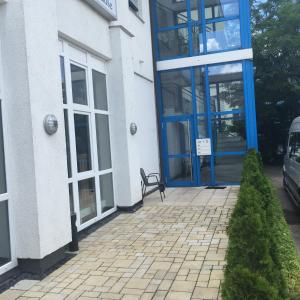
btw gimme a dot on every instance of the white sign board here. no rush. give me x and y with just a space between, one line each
203 147
108 8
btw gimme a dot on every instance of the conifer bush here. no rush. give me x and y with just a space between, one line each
241 283
262 261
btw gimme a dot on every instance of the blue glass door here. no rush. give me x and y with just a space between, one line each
178 135
204 103
227 122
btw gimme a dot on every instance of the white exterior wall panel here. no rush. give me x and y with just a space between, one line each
37 164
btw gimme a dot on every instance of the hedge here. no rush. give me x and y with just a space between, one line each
262 261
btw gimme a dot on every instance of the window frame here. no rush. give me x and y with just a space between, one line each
5 197
72 55
201 24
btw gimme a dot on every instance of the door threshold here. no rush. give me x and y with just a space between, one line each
215 188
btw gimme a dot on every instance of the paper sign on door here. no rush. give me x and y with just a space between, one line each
203 147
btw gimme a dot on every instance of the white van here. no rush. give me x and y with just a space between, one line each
291 167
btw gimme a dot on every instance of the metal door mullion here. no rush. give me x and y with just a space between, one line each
195 134
209 127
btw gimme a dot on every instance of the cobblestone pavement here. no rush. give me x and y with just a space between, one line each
171 250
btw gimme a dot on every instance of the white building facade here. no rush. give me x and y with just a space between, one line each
88 63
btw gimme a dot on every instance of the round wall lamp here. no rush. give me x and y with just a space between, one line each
50 124
133 128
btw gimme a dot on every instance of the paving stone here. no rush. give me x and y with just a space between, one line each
52 296
30 294
178 296
25 285
135 283
11 294
170 250
95 280
183 286
206 293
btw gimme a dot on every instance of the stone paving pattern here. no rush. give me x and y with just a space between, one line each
173 250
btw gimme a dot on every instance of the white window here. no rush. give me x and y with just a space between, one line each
137 7
7 257
86 112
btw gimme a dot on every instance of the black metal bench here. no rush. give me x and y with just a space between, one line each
157 184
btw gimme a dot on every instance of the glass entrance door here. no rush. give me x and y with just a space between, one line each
203 103
178 134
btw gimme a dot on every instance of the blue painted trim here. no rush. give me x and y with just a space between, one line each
253 143
195 129
228 112
222 19
248 111
203 25
209 126
244 19
175 27
178 155
230 153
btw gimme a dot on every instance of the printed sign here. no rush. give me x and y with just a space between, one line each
108 8
203 147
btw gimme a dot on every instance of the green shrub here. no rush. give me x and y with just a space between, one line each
241 283
262 261
283 250
249 240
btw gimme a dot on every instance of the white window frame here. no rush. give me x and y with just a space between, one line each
80 58
5 197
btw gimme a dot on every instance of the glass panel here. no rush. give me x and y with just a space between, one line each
205 169
226 87
71 198
197 40
107 192
229 133
204 160
176 92
200 90
180 169
223 35
5 254
178 136
171 13
83 147
3 188
194 4
173 43
228 169
202 128
100 92
79 89
63 79
103 142
294 146
221 8
68 143
87 200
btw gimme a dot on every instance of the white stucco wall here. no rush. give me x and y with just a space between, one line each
82 24
36 163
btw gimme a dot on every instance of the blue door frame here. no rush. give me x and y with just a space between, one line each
192 119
